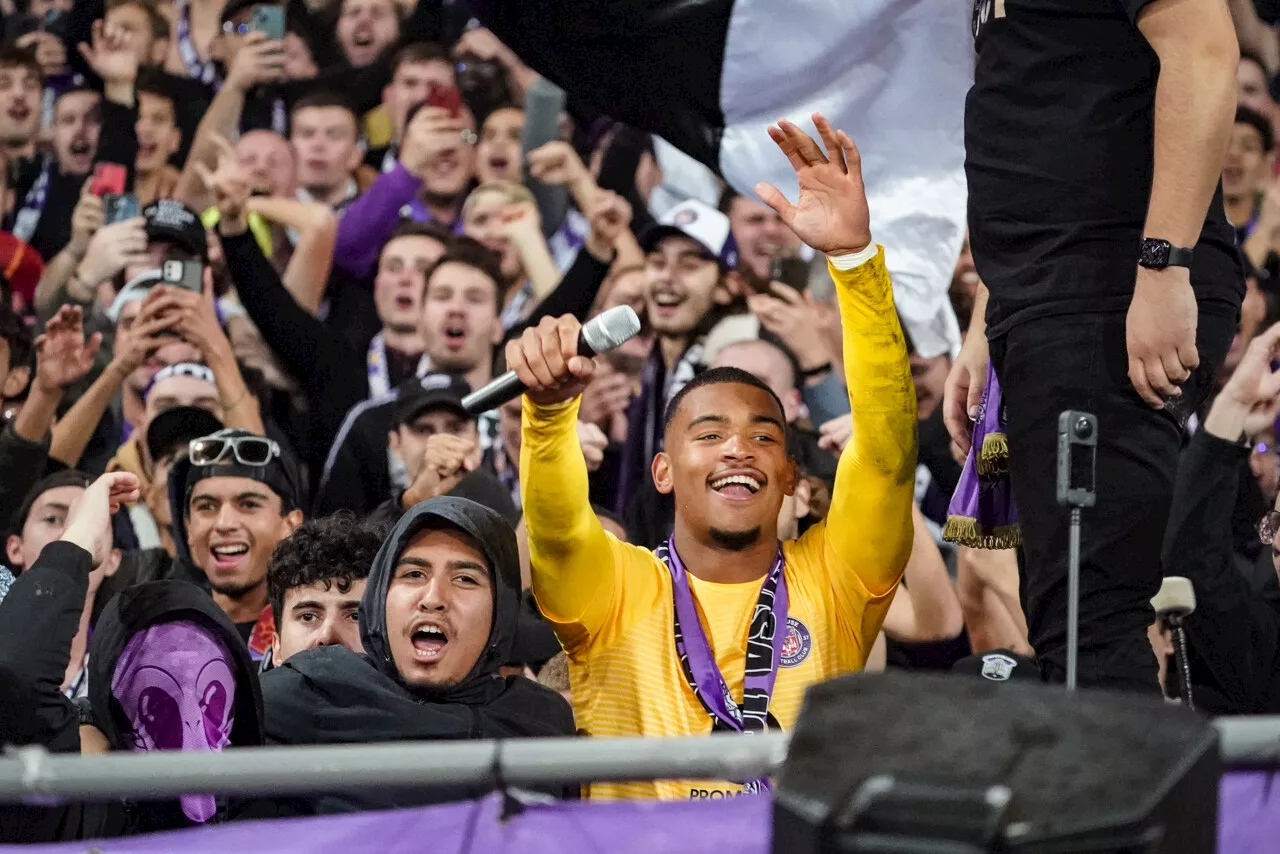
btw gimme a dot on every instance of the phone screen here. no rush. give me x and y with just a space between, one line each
269 20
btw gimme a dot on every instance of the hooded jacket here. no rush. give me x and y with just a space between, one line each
331 695
38 620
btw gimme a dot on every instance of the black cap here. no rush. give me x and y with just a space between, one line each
175 427
434 391
998 665
171 220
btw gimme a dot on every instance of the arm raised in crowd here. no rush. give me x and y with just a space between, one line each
40 616
312 258
258 61
55 285
112 58
1234 630
371 218
867 535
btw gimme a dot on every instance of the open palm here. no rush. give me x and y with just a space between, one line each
62 353
831 213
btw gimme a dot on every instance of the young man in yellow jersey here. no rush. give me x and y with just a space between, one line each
723 628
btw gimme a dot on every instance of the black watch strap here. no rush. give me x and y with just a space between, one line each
1156 254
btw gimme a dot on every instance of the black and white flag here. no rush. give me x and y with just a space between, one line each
710 75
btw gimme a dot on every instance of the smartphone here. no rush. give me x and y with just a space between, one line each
108 178
269 20
184 274
117 207
793 272
444 97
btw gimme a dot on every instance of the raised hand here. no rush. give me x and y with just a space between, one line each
792 316
444 462
546 360
230 185
1250 400
86 218
609 216
49 49
257 61
431 133
113 248
836 433
192 316
89 520
557 163
111 54
831 213
62 353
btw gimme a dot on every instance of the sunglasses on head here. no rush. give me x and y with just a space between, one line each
247 450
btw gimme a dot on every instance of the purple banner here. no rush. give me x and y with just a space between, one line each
1249 823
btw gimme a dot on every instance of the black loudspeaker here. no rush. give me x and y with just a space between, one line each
908 762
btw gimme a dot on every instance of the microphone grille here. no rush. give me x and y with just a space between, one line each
611 328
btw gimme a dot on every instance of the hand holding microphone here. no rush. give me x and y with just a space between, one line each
552 362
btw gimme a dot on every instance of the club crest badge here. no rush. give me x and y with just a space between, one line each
796 643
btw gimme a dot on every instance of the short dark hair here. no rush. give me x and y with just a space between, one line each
419 52
158 22
12 56
717 376
325 98
1260 123
155 82
470 253
726 200
337 550
66 477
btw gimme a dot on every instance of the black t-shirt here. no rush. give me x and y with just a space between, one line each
1059 127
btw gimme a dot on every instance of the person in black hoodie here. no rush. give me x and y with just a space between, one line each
146 630
437 620
1234 634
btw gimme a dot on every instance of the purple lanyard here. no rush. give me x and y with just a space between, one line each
764 651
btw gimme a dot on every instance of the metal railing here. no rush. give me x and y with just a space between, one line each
32 774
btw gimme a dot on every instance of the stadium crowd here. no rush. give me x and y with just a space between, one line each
254 258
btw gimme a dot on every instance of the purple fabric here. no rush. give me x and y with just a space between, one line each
1248 823
982 513
370 219
177 688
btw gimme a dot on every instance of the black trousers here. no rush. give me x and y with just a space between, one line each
1079 362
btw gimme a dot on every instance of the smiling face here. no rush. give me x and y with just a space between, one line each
726 462
19 105
439 609
233 525
684 285
1246 165
327 142
43 525
77 121
459 321
498 156
366 28
397 289
158 134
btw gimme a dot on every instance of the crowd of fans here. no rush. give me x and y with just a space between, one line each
255 256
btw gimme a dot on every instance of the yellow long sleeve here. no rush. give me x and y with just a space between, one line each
867 534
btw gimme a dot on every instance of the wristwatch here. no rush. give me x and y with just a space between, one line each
1156 254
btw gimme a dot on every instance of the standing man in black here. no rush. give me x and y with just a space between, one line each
1095 132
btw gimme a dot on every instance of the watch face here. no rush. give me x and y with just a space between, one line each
1154 253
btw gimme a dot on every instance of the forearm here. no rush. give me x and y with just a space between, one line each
935 610
869 527
825 398
370 219
36 415
569 551
73 432
1194 108
543 102
49 290
538 264
978 320
221 119
239 407
118 141
308 269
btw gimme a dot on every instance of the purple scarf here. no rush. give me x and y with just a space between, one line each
764 652
176 685
982 513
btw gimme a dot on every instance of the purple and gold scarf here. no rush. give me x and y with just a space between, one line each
982 513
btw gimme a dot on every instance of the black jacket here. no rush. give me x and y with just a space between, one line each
38 620
332 695
1234 634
